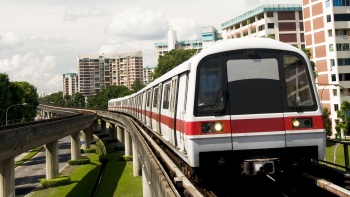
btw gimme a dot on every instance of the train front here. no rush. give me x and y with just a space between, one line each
257 110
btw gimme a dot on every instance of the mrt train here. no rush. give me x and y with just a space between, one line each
248 104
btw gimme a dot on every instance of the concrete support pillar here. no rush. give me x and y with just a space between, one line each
135 161
128 144
75 146
7 177
95 125
112 131
103 126
52 160
146 186
120 135
87 138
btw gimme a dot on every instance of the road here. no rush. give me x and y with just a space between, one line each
28 175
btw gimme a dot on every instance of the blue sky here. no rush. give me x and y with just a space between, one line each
40 39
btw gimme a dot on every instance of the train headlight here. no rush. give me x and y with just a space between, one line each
218 127
211 127
302 122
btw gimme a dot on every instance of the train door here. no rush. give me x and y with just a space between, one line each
149 108
180 110
166 116
255 101
143 108
157 91
173 101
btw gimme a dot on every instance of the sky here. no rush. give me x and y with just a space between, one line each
40 40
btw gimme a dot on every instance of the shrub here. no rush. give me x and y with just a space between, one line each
79 161
64 180
89 150
125 158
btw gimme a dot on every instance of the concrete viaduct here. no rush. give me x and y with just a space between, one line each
16 139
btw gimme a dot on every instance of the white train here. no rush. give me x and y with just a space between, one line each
249 104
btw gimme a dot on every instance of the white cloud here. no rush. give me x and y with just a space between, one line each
186 28
34 68
9 40
73 13
139 24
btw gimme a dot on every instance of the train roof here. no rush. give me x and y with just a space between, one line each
222 46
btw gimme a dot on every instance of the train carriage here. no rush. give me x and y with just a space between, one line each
247 102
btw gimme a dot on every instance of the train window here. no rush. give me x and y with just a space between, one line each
209 85
155 97
166 96
148 99
298 87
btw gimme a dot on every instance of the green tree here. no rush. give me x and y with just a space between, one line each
5 95
172 59
327 121
78 100
100 100
27 93
56 99
137 85
343 115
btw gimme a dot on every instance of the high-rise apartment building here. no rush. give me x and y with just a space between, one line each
70 84
127 68
327 35
147 75
283 22
209 36
98 71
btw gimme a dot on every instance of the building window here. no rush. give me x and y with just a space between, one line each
335 92
270 25
329 18
269 14
333 77
340 2
332 62
261 27
331 48
336 107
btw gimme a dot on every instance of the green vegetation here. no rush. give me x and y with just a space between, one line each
172 59
338 158
16 93
31 154
63 180
81 161
83 178
117 178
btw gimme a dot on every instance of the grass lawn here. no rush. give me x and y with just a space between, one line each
83 179
31 154
338 157
118 180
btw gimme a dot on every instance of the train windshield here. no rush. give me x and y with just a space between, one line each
297 84
209 85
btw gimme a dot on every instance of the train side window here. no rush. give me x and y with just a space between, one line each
166 93
298 85
155 97
148 99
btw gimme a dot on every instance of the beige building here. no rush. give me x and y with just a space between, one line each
70 84
147 75
327 35
209 36
283 22
98 71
